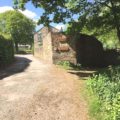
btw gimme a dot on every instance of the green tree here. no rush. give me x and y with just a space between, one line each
18 26
96 13
105 14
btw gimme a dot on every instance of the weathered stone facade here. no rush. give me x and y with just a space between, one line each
52 46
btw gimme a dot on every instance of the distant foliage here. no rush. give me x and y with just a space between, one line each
18 26
6 50
106 86
108 38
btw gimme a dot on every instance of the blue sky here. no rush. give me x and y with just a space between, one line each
28 6
30 12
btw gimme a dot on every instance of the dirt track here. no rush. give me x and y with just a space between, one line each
32 90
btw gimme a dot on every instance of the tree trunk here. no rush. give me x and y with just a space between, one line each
116 20
16 47
118 32
116 23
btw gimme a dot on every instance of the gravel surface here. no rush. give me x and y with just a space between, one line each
34 90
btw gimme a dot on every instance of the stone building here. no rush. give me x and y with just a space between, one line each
53 46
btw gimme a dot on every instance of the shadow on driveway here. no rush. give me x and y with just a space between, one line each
82 74
20 64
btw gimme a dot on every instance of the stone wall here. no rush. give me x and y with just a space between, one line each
62 51
38 50
45 30
52 46
47 48
38 44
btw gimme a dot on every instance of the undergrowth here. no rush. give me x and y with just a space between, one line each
104 89
68 65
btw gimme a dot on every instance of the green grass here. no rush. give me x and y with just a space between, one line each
94 109
68 65
65 64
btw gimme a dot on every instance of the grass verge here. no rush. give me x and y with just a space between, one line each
104 94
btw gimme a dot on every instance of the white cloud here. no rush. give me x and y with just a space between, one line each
59 27
5 8
26 12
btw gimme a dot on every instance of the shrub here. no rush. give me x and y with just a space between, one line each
106 86
6 50
69 66
65 64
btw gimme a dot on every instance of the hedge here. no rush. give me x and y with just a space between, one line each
6 50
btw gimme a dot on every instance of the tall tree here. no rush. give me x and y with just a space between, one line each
101 13
18 26
105 14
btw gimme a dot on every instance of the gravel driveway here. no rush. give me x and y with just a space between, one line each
33 90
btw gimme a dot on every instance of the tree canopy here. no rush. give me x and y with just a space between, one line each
18 26
92 13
